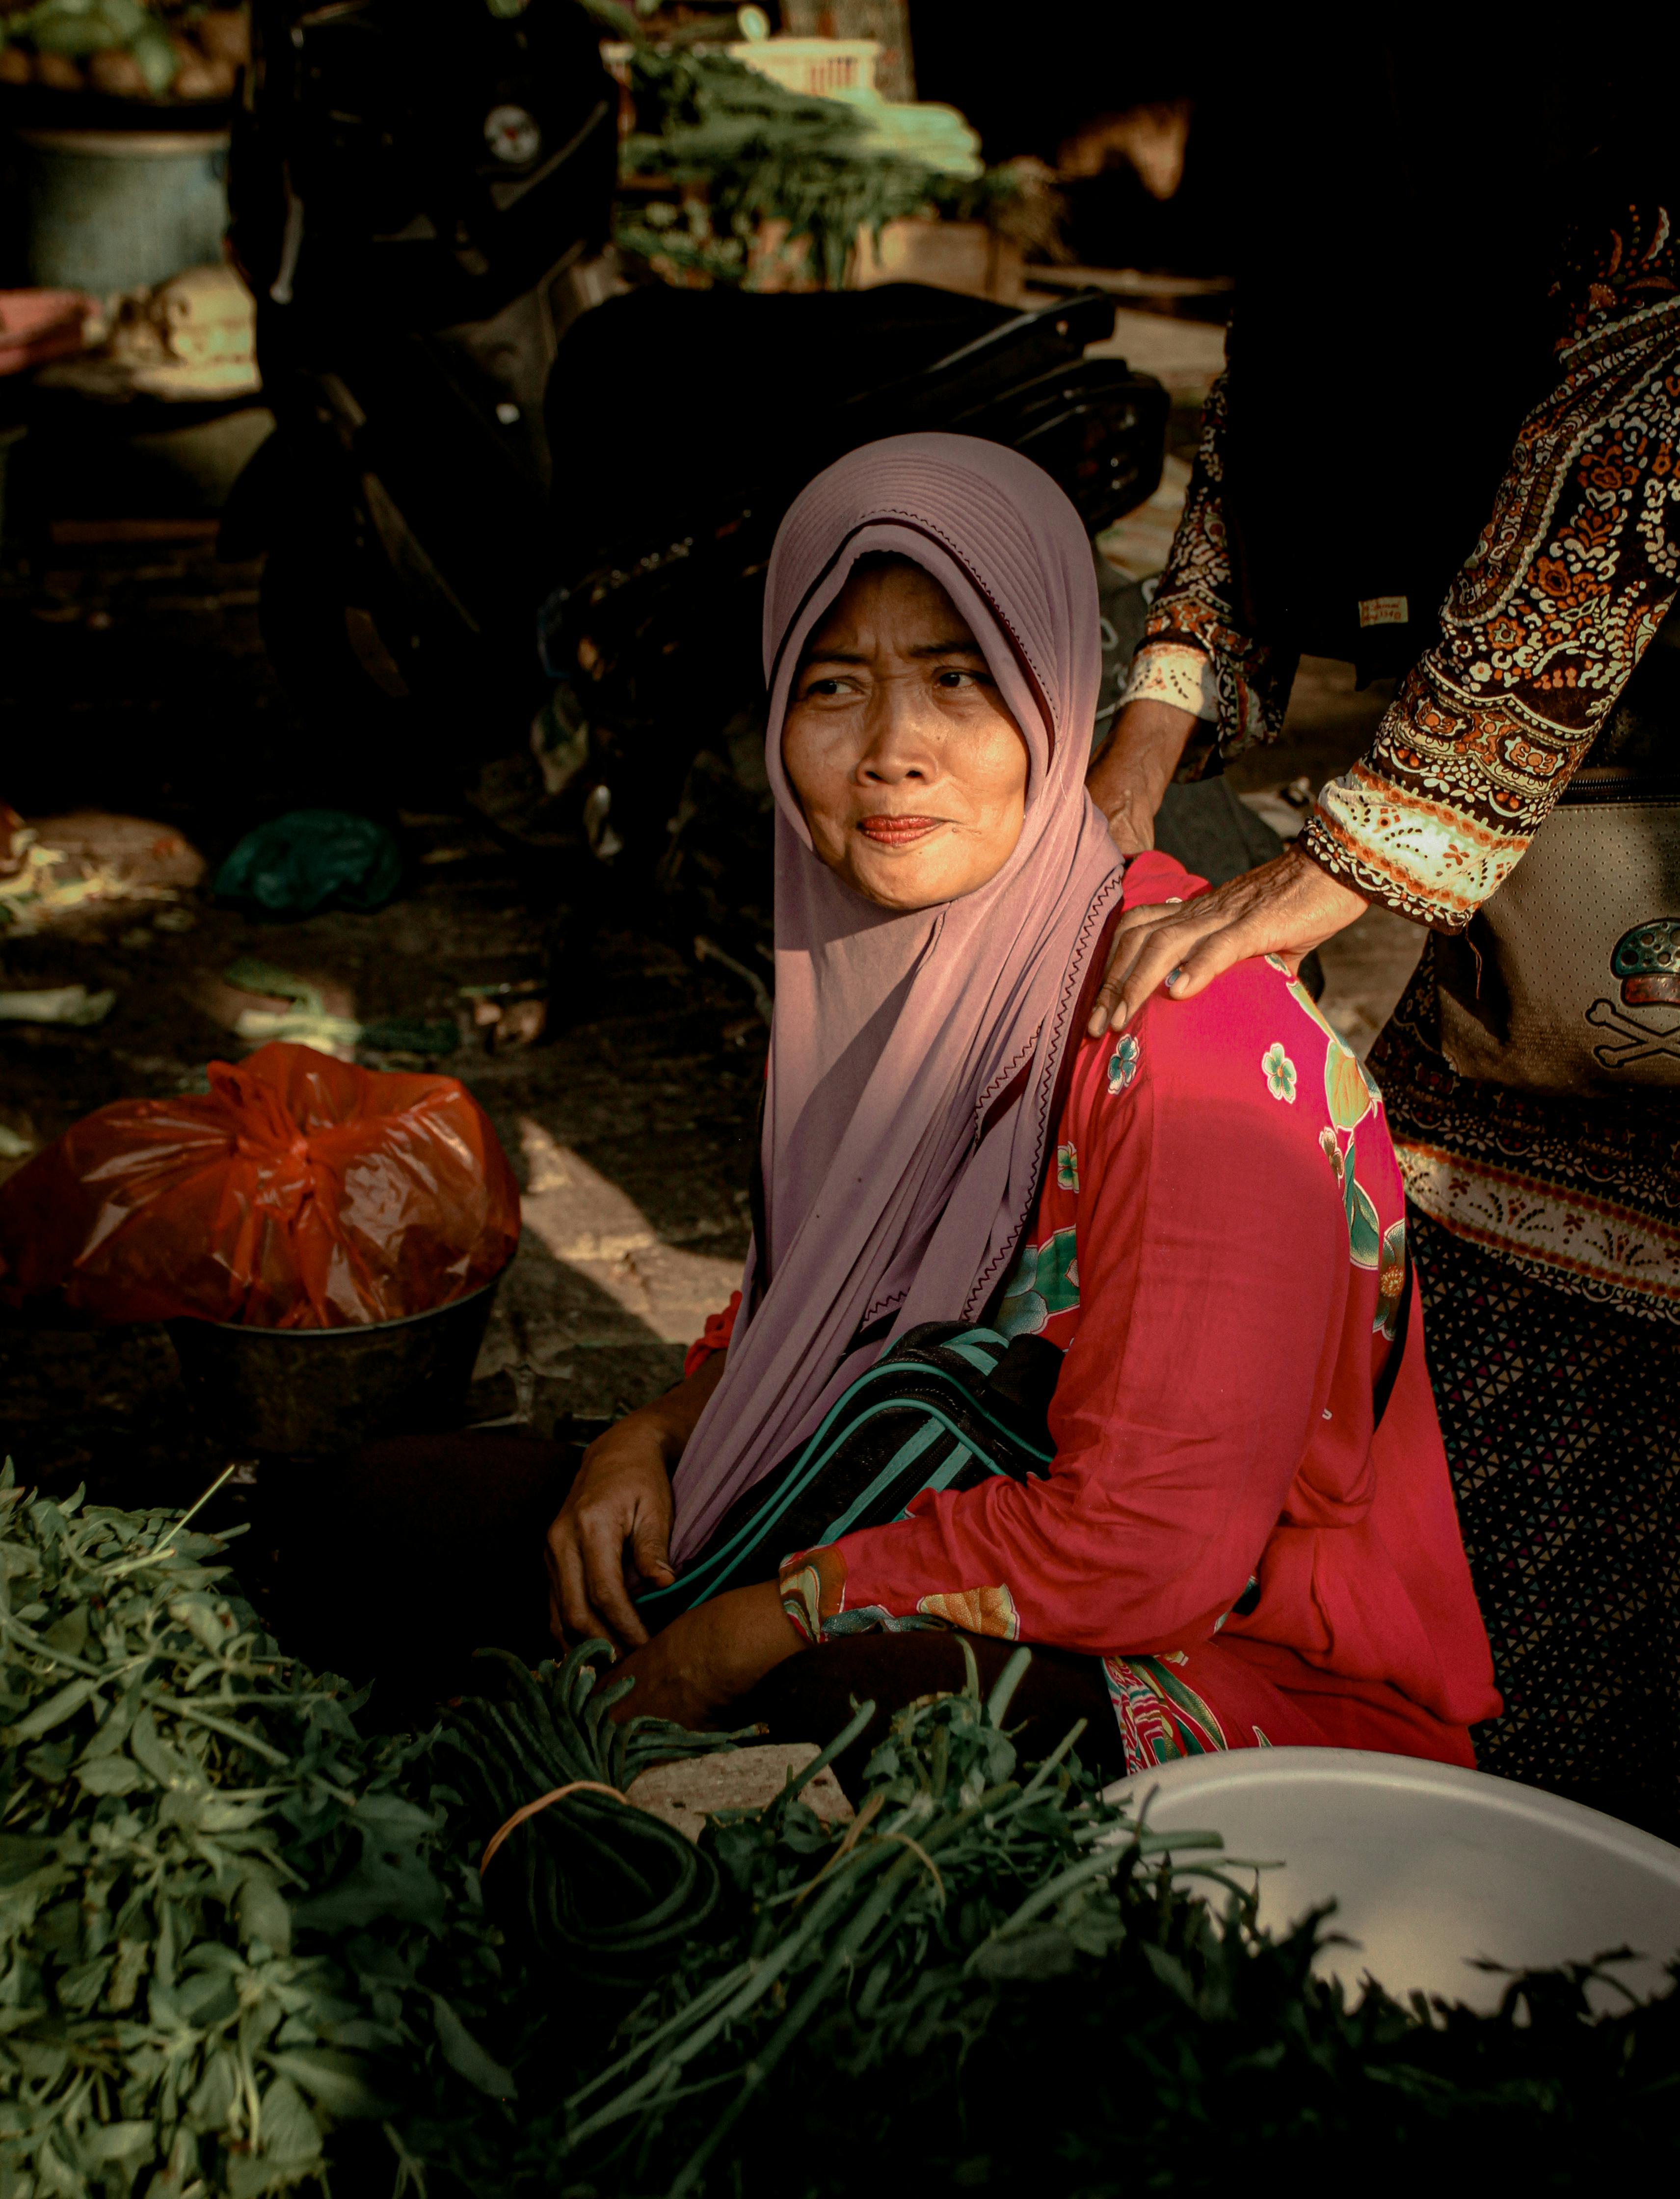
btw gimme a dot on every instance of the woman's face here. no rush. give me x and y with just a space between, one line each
912 774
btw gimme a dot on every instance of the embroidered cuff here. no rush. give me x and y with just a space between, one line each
813 1595
1424 859
1174 672
813 1590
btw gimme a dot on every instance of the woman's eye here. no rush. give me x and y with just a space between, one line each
951 677
823 687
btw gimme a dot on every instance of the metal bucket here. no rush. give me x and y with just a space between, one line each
318 1392
107 210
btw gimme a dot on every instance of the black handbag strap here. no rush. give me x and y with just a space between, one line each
1390 1373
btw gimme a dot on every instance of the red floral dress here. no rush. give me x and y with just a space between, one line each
1219 1252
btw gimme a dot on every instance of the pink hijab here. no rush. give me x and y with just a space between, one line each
914 1057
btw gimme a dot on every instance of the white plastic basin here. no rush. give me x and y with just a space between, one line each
1431 1867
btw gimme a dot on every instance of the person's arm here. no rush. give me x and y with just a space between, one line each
1136 765
1541 631
615 1527
710 1657
1213 1262
1194 666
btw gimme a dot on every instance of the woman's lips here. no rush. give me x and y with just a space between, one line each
897 831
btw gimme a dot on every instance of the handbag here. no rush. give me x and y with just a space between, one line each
1568 980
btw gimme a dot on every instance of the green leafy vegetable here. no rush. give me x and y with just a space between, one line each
243 1947
226 1930
742 151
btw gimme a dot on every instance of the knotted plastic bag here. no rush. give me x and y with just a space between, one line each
300 1192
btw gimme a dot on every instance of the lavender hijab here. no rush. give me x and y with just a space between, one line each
914 1057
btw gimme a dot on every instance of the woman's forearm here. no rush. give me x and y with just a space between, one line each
1134 767
673 1419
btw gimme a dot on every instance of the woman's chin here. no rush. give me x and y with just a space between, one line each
918 874
900 882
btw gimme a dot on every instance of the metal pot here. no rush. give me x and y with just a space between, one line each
318 1392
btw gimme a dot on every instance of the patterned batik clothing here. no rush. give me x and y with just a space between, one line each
1541 632
1218 1250
1561 1436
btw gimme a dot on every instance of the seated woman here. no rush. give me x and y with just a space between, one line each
1246 1532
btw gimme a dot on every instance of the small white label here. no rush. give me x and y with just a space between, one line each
1384 610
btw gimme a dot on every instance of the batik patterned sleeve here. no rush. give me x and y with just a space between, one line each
1543 625
1194 653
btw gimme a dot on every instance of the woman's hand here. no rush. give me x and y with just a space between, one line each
613 1535
1287 908
1134 767
709 1656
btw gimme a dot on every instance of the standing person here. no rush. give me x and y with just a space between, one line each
1543 1175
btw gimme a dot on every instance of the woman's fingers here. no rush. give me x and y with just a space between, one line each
651 1548
1287 908
1183 958
1112 1004
603 1532
578 1620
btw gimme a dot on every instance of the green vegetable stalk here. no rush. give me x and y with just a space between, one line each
226 1931
955 1874
762 153
603 1894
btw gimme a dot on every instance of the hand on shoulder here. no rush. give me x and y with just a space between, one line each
1287 908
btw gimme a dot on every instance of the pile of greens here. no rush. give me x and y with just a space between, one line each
227 1931
244 1947
739 151
993 1979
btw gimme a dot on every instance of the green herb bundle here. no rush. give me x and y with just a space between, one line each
605 1896
761 154
852 1949
993 1981
225 1930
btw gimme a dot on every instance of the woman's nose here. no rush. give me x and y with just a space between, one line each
900 743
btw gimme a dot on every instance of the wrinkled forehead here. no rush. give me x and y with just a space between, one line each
879 578
1018 679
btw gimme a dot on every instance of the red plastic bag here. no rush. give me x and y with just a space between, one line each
300 1192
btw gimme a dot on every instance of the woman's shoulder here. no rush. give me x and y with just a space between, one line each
1255 1034
1254 1039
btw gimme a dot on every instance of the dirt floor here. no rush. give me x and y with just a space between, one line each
132 680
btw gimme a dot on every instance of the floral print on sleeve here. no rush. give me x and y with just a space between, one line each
1194 653
1546 620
